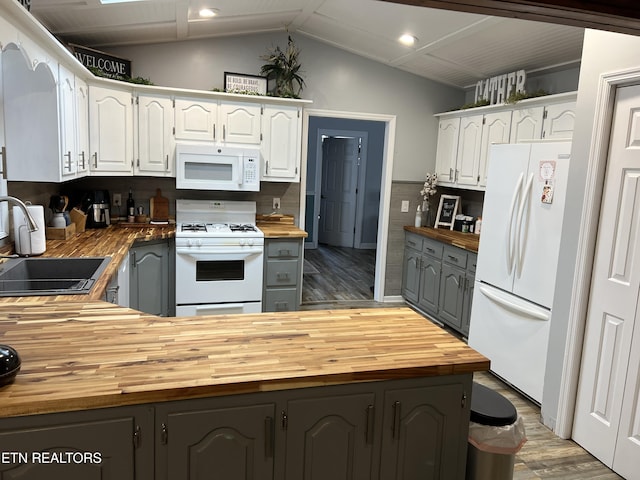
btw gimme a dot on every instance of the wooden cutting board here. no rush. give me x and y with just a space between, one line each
159 208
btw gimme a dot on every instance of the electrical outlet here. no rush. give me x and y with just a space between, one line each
276 203
117 200
405 206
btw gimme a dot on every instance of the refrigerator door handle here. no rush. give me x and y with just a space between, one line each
533 311
518 244
512 209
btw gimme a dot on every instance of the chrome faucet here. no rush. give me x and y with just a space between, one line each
30 221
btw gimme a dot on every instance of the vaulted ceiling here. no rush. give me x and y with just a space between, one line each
454 48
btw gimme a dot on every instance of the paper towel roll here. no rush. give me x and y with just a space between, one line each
29 243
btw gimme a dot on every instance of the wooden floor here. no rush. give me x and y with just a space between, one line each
337 274
336 277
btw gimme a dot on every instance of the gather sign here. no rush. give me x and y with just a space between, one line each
496 90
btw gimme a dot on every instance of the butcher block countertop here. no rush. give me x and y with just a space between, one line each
467 241
78 356
272 230
113 241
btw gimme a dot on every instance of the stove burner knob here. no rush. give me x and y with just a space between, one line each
199 242
250 242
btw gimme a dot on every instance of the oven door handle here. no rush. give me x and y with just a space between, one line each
219 253
212 309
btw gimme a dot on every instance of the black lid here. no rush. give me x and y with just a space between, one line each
490 408
9 364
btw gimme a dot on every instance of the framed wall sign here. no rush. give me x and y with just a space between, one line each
242 83
447 211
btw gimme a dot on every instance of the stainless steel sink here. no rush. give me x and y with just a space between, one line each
50 276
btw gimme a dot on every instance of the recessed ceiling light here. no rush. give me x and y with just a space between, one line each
407 39
208 12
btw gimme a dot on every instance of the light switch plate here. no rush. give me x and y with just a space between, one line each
405 206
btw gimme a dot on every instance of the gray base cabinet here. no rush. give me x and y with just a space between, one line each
396 429
282 274
101 445
235 442
330 437
151 277
438 279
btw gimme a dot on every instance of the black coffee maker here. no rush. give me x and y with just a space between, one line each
97 204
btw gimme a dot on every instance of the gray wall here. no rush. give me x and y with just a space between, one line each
602 52
335 80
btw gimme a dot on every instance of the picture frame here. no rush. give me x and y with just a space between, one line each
447 210
245 83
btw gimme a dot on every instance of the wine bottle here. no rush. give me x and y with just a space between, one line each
131 207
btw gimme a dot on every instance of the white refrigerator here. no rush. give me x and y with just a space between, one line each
517 260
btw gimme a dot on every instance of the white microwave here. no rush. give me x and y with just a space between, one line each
207 167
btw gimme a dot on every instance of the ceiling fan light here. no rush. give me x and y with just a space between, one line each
407 39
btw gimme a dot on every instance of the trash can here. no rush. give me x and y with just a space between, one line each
496 434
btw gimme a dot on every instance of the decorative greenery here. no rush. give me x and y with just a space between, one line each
139 80
284 68
517 96
480 103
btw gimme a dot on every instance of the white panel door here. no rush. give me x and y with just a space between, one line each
526 124
468 157
559 120
156 145
338 198
67 112
196 119
495 130
447 148
111 131
607 418
280 149
240 123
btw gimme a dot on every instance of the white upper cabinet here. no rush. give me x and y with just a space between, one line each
82 126
40 104
526 124
111 131
240 123
469 143
495 129
156 143
559 120
217 121
196 119
281 143
447 148
464 137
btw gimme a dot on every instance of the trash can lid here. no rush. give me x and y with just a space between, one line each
490 408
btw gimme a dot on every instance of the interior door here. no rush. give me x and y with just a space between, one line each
607 418
339 186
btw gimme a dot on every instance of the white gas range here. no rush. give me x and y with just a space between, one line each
219 258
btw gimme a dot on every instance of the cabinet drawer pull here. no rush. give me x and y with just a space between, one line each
268 437
413 244
284 253
164 434
281 306
282 276
83 162
284 420
397 406
95 160
452 258
430 250
214 131
451 174
167 162
370 418
68 155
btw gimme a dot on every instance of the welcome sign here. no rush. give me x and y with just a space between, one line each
110 66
